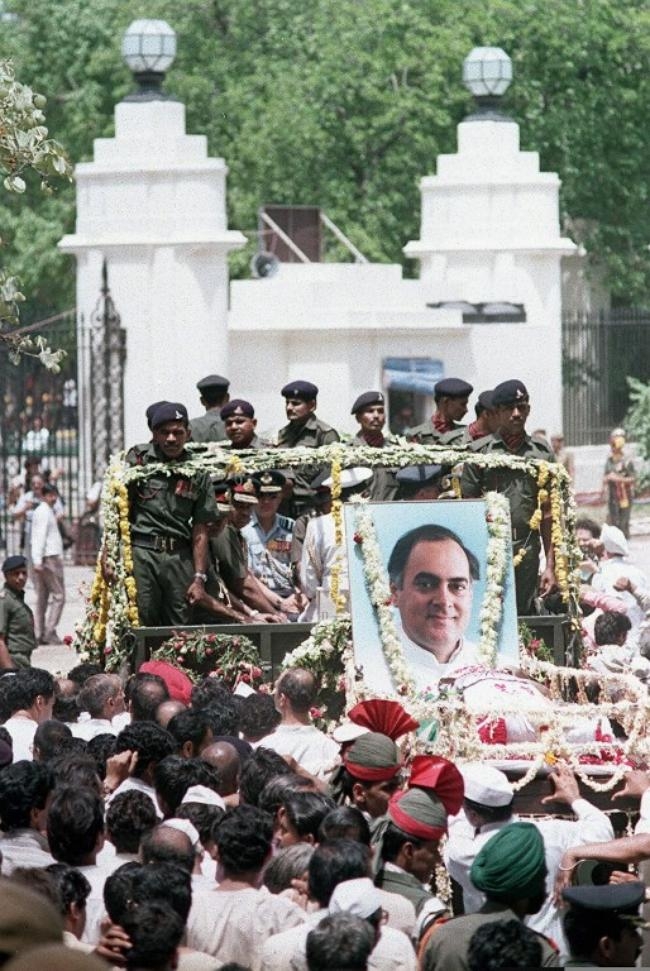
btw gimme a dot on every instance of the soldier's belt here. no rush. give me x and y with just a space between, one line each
157 543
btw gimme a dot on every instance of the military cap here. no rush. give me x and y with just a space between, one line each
486 400
168 411
237 407
151 409
243 488
14 563
452 388
512 392
373 757
419 474
214 382
222 495
270 483
351 478
623 899
367 399
304 390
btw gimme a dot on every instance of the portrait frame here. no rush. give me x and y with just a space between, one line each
372 529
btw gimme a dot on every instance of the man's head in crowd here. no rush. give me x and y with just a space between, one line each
32 690
100 749
370 773
145 693
287 865
164 844
295 693
263 765
331 863
75 826
224 759
192 730
258 717
155 931
24 791
102 696
602 924
611 627
49 738
511 868
300 817
129 816
65 701
340 941
488 796
152 744
504 944
243 843
73 890
174 775
240 422
166 711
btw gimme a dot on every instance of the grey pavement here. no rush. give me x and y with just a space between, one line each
59 658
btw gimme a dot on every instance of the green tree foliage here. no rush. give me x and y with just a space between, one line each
347 103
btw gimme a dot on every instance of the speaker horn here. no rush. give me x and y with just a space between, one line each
264 265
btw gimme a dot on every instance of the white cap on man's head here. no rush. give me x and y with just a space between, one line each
359 897
613 539
486 785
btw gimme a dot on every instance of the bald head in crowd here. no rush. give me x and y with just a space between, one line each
167 710
224 757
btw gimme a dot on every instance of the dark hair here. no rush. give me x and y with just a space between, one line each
118 890
584 522
429 533
23 786
97 690
130 815
191 725
273 794
100 748
65 707
340 941
208 692
214 396
71 769
345 822
258 716
75 822
333 862
5 736
81 672
299 685
164 882
202 817
72 886
306 810
150 741
263 765
27 684
146 692
48 738
393 841
155 931
286 865
163 844
174 775
609 626
223 717
243 837
584 928
7 679
491 814
504 944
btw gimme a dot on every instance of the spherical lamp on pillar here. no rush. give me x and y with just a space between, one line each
487 73
149 49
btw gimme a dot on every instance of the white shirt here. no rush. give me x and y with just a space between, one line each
95 910
22 730
613 569
90 727
46 538
139 786
311 748
320 553
424 667
591 826
23 847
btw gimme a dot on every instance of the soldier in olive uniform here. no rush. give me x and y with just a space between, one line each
169 518
486 423
214 395
450 396
304 430
17 635
370 412
240 424
512 406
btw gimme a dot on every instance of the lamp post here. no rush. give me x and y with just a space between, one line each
149 49
487 73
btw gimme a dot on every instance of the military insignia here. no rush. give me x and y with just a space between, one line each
184 489
266 479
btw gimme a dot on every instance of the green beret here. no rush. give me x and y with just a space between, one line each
511 864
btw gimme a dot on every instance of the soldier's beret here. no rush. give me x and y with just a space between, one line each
419 474
304 390
621 898
512 392
237 407
486 400
168 411
243 488
14 563
150 410
213 382
452 388
367 399
270 483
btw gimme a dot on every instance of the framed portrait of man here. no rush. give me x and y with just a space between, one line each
435 561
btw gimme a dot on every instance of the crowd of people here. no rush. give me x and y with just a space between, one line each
159 824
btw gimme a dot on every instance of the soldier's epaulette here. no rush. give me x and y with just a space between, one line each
543 446
479 443
285 522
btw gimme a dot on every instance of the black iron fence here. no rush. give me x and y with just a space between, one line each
39 429
599 351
